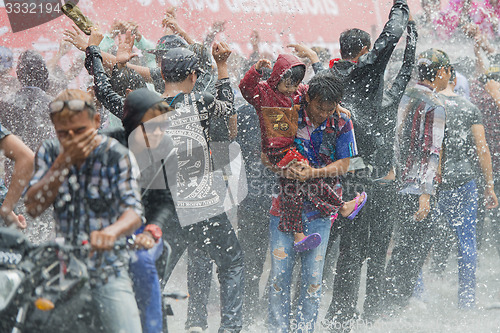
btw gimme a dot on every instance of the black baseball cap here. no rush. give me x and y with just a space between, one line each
178 63
167 43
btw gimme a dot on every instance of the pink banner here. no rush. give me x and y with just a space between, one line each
279 22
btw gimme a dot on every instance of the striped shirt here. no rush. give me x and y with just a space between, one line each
419 137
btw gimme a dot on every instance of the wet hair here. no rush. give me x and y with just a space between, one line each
294 75
72 94
429 73
326 87
453 73
126 78
352 42
32 70
163 107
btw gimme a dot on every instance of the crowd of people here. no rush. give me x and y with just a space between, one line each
380 148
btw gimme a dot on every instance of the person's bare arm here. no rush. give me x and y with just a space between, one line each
303 51
221 51
74 150
217 27
483 153
80 41
18 152
170 22
126 224
493 89
232 125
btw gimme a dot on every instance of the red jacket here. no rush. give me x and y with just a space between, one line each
265 94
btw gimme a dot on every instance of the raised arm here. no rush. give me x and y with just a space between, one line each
388 39
170 22
102 87
394 94
124 53
18 152
224 97
249 85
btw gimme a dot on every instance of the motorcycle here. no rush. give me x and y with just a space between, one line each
46 288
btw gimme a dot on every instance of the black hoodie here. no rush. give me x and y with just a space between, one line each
159 208
364 80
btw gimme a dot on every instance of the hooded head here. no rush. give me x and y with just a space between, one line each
137 103
32 71
284 63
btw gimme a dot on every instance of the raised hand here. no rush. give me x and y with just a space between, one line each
218 26
221 51
263 63
76 37
303 51
170 22
254 40
96 36
124 52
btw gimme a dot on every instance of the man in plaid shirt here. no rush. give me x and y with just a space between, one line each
419 137
91 180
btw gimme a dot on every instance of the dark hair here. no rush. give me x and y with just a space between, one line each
352 42
429 73
326 87
32 71
294 75
453 73
163 107
126 78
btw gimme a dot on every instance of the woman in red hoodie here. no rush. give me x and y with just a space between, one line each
277 101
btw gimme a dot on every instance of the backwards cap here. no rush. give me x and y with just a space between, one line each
433 58
178 62
167 43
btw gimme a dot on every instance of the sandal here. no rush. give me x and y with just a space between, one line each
358 206
310 242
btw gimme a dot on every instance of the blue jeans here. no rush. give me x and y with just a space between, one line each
116 304
459 206
282 262
147 287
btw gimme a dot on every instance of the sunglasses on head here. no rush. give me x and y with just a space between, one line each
74 105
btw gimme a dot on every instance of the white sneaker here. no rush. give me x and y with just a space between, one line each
195 330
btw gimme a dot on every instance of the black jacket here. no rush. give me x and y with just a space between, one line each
159 208
102 87
364 80
390 102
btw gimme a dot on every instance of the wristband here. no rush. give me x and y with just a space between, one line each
155 231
